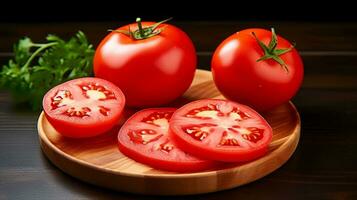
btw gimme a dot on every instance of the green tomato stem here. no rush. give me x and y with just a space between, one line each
141 31
270 51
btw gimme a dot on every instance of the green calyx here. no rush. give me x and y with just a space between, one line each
270 51
143 32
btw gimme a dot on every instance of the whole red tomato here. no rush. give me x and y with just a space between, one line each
152 63
257 68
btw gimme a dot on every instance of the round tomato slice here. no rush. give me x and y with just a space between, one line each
220 130
145 138
84 107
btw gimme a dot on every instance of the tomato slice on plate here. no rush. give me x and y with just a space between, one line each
84 107
145 138
220 130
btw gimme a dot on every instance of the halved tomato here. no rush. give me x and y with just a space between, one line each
145 138
84 107
220 130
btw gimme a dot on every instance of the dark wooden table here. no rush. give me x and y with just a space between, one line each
324 165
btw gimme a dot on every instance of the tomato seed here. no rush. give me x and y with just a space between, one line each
60 98
103 110
166 147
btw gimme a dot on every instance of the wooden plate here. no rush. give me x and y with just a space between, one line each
98 160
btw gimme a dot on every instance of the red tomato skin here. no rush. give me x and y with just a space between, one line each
79 128
216 155
262 85
71 130
167 165
152 71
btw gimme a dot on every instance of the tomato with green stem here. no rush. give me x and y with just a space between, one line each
153 63
258 68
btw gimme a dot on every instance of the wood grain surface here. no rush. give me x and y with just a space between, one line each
98 161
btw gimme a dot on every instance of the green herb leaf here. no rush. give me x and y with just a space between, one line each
36 68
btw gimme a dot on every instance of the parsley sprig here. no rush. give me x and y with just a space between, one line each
36 68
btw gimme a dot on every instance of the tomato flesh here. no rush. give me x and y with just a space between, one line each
221 130
84 107
145 138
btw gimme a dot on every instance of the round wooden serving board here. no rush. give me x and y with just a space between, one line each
98 161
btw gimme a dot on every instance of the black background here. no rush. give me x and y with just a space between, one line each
125 10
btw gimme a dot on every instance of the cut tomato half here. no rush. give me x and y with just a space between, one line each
145 138
220 130
84 107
